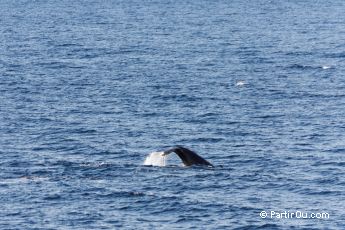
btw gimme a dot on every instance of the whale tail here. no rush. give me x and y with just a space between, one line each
187 156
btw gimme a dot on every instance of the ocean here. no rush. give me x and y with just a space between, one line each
88 89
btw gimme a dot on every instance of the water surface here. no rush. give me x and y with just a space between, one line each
89 88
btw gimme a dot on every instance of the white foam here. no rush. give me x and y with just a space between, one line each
155 159
326 67
240 83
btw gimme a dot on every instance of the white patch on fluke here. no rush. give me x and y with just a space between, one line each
155 159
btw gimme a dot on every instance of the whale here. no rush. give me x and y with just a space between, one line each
187 156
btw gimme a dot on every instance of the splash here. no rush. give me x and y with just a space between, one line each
155 159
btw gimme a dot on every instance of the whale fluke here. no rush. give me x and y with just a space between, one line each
187 156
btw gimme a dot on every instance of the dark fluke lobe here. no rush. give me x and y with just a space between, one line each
188 157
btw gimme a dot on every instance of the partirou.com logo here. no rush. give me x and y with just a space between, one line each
293 215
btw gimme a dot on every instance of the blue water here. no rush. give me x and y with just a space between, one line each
89 88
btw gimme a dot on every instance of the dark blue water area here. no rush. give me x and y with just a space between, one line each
89 88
